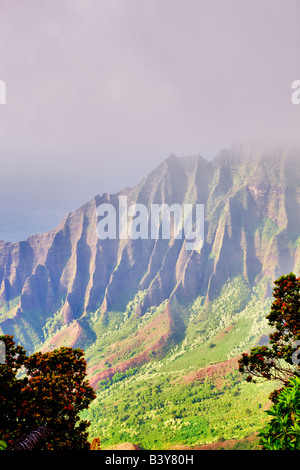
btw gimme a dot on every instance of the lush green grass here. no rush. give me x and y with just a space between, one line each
115 328
155 406
155 410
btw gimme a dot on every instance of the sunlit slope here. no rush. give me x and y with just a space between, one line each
252 224
191 394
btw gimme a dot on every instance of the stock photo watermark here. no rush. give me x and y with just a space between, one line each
296 353
296 93
161 221
2 92
2 353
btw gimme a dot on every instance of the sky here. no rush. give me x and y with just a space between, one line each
100 92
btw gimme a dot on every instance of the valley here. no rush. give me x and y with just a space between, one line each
162 327
193 394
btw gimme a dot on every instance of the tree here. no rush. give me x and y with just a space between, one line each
45 389
279 361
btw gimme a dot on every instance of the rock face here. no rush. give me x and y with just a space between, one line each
252 228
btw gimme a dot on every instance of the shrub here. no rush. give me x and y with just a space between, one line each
283 431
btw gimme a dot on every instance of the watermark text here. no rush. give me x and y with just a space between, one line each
2 92
296 93
159 221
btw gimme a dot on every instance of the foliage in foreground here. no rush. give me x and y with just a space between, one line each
283 431
279 360
3 445
48 389
157 408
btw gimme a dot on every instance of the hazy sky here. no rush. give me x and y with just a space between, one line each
99 92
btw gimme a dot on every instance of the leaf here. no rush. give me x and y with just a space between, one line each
3 445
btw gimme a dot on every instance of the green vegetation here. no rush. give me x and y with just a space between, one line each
118 332
189 395
54 324
277 361
283 431
7 309
117 377
191 392
156 409
3 445
268 229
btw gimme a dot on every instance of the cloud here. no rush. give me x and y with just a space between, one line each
99 92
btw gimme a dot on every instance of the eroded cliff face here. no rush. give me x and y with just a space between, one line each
252 228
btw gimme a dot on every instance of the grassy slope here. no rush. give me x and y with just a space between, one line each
194 394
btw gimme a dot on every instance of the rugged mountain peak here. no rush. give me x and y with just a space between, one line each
252 227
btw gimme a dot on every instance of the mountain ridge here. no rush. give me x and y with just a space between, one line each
251 229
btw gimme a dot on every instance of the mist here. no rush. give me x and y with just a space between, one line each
99 92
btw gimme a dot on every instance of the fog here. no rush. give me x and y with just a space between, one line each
99 92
